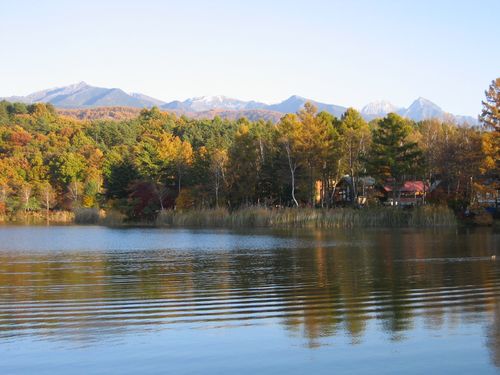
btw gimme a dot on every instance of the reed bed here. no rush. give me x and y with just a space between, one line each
193 218
112 218
428 216
95 216
254 217
87 216
40 217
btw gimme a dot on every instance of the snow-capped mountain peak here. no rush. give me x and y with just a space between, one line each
207 103
214 98
379 108
422 109
204 103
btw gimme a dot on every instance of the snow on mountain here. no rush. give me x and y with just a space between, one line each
83 95
378 108
207 103
422 109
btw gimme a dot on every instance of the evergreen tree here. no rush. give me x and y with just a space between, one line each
490 115
244 166
393 155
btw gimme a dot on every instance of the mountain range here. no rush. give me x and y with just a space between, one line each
81 95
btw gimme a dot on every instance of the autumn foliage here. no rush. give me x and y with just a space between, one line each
144 162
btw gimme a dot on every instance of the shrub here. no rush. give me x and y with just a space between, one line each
87 215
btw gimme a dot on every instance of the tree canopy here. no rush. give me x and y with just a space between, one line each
158 160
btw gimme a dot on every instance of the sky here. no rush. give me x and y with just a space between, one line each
342 52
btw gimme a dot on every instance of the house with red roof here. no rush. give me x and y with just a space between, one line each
410 193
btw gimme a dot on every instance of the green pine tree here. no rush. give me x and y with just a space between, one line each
393 155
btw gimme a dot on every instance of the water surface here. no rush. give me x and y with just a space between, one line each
93 300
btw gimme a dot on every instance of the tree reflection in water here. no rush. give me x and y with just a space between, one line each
337 286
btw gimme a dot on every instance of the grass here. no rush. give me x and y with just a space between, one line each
253 217
39 217
95 216
87 216
193 218
428 216
112 218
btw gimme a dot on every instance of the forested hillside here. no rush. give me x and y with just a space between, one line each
157 160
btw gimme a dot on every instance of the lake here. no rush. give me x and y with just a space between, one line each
94 300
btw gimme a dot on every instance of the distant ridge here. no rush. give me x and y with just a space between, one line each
83 96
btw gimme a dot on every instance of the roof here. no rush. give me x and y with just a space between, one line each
366 180
410 187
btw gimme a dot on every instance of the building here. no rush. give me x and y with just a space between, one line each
410 193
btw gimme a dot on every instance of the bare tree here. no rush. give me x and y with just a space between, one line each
74 192
218 164
47 197
25 192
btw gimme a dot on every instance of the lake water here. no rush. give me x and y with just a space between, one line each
93 300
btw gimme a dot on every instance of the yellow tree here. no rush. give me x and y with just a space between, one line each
4 186
317 147
490 117
176 152
491 151
183 159
218 164
310 143
355 138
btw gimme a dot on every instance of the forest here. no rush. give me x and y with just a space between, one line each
158 161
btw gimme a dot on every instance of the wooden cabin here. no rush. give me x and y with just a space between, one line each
409 193
344 191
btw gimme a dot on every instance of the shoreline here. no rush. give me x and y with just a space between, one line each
259 217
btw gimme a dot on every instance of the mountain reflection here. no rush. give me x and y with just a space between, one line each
339 286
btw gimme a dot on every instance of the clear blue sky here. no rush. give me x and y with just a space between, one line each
342 52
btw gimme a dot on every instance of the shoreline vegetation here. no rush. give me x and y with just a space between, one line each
257 217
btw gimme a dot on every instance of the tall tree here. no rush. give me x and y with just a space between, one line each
176 155
393 155
243 169
355 138
47 197
315 145
490 117
290 132
218 164
182 158
152 166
